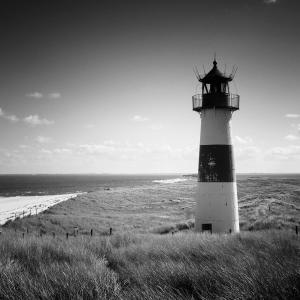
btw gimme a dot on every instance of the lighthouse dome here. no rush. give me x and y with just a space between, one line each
215 75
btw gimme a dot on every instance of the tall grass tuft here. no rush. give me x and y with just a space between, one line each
261 265
249 265
36 268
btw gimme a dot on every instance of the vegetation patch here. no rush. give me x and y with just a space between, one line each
249 265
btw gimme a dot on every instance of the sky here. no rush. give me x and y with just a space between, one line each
106 86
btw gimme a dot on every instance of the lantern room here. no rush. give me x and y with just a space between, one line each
215 91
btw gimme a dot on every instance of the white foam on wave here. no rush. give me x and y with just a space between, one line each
170 180
19 206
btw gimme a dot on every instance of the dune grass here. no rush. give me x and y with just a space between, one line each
268 202
136 209
142 260
260 265
264 203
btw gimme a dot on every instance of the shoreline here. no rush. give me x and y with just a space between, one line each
21 206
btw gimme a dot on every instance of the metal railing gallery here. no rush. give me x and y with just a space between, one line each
230 101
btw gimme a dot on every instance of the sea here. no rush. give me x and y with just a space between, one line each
58 184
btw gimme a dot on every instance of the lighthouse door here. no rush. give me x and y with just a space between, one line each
207 227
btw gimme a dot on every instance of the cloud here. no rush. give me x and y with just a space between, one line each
62 151
97 154
24 147
35 95
297 127
11 157
270 1
57 151
111 142
88 126
191 153
156 126
54 96
247 153
94 149
45 151
137 152
246 140
35 120
292 116
140 145
12 118
290 153
43 139
38 95
70 145
291 137
9 117
140 119
159 126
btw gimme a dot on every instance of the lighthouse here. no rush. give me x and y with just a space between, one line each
216 201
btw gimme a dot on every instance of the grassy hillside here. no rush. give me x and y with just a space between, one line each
261 265
264 203
140 209
268 202
137 262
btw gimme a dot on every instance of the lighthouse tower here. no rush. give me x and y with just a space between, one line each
216 203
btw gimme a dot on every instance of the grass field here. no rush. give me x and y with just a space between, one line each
268 202
140 260
260 265
264 203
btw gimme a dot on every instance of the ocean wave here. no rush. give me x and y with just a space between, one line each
167 181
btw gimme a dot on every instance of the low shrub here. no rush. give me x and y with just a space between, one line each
164 229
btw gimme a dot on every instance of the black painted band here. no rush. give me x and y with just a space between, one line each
216 164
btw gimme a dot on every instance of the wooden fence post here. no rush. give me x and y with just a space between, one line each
110 231
67 235
53 234
229 231
91 232
296 229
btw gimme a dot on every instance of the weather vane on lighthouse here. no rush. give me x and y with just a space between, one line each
216 202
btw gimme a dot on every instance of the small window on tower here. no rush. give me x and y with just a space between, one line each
213 88
223 87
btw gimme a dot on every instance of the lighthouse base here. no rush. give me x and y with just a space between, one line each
217 207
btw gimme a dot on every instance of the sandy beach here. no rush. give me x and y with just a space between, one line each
12 207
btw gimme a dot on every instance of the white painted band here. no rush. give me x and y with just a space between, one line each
217 204
215 126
